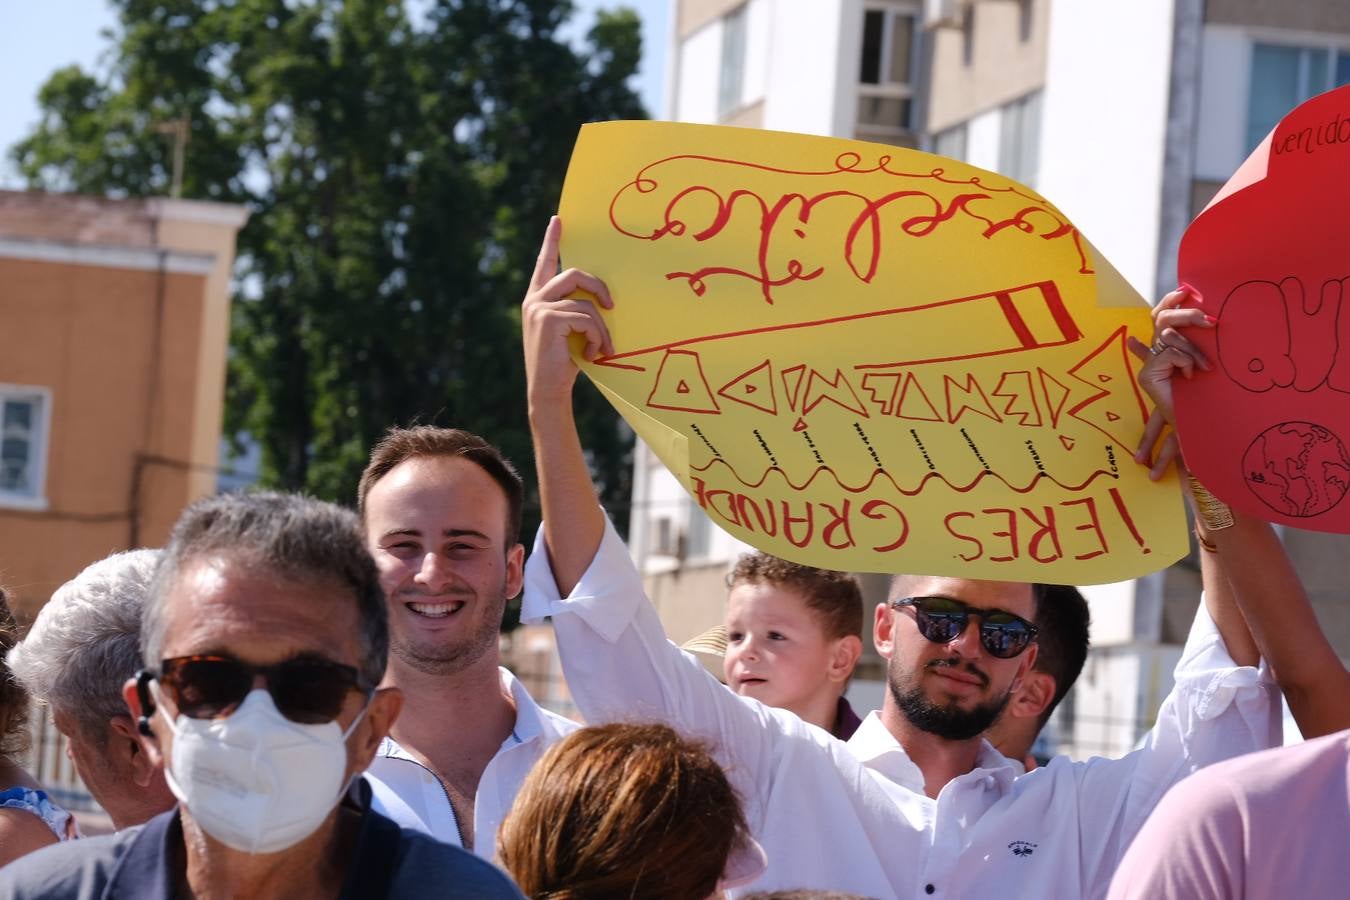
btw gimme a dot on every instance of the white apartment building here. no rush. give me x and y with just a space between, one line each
1128 116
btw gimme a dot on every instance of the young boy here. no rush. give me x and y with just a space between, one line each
794 634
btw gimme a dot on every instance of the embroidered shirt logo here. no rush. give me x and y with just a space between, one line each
1022 848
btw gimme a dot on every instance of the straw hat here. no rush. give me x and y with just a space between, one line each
709 647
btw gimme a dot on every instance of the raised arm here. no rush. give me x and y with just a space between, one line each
620 666
1252 561
573 520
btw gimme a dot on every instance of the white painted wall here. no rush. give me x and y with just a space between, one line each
1112 609
802 93
699 68
1225 82
1102 125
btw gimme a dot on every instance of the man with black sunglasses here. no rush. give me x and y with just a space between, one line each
264 637
955 649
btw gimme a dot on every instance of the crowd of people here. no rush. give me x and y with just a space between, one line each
291 699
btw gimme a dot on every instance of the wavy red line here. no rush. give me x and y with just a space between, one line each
963 489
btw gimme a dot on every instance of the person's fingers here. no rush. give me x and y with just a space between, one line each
1171 300
1153 429
1175 341
547 264
582 317
1183 318
1167 454
590 327
569 281
1139 348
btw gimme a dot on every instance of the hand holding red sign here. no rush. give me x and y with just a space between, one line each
1268 427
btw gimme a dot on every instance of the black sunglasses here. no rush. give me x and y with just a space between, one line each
942 619
308 690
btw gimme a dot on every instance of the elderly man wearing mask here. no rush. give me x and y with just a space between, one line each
264 639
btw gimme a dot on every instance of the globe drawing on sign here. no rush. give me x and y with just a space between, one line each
1297 469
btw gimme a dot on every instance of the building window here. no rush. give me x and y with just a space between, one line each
731 80
1019 139
1283 77
951 142
886 72
698 543
24 418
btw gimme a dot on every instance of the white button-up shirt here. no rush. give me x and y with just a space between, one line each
409 793
854 817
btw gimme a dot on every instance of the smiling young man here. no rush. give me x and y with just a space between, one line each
955 650
441 510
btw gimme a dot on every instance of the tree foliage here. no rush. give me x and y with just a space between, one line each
401 164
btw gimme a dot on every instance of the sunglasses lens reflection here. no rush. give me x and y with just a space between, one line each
310 692
941 620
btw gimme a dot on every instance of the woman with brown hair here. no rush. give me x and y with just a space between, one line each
28 819
627 811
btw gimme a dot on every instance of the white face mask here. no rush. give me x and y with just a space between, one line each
255 780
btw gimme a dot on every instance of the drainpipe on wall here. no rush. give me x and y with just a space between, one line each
1183 104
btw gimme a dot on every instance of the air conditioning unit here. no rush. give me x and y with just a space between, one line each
945 13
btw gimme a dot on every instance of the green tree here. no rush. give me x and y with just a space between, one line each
400 168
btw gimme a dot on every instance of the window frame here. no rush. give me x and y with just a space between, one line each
40 444
1333 51
884 89
731 92
1019 153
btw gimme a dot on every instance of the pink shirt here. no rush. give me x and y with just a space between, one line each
1267 825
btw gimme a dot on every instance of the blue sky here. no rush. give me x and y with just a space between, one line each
37 38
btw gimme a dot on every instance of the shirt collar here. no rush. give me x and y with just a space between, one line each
875 747
532 722
529 718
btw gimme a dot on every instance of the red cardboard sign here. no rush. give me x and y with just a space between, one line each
1268 430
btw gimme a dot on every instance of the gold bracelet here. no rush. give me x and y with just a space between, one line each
1206 545
1211 510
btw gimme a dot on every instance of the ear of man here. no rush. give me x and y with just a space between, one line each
515 571
140 715
124 742
385 705
1033 696
883 630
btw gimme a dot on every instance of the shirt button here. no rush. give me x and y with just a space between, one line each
928 888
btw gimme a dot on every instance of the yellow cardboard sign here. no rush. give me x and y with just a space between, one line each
868 358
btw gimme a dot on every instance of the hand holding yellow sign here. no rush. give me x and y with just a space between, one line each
869 358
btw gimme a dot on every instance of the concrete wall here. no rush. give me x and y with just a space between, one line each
129 338
1003 64
1102 139
691 15
807 89
1305 15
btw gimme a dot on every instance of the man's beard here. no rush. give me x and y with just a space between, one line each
949 722
451 656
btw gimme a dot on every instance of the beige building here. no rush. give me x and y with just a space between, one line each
112 369
1129 116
